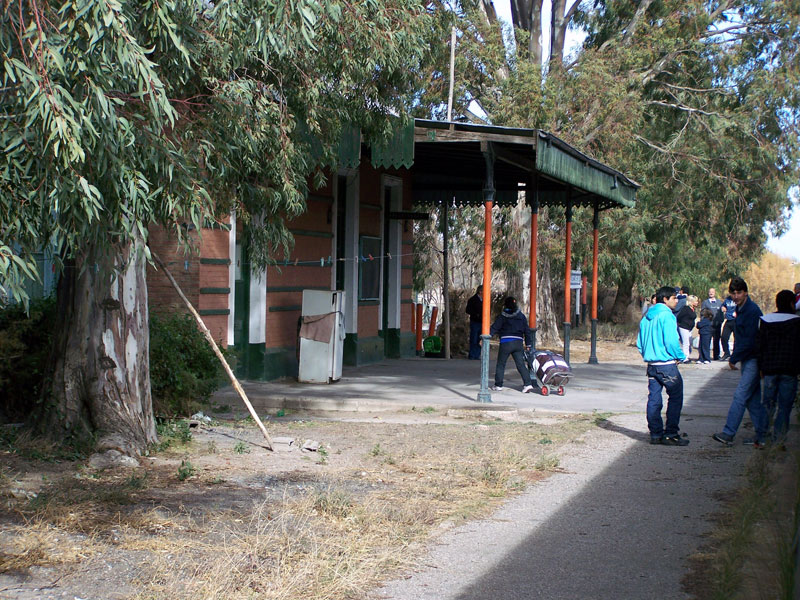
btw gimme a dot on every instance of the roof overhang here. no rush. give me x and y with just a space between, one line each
449 164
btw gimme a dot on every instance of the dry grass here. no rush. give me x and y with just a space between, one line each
281 525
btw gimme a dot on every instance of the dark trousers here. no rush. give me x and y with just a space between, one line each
727 330
715 344
516 350
474 340
702 347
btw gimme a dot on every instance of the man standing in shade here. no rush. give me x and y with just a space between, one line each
748 391
713 304
475 312
660 346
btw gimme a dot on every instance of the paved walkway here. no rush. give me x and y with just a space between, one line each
620 520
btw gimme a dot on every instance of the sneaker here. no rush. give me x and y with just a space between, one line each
527 388
675 440
497 388
656 440
722 439
754 443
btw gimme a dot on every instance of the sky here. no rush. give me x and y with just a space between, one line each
788 245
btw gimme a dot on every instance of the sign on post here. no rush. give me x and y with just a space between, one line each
575 280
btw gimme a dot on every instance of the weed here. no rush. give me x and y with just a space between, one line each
545 440
548 462
211 447
280 413
377 450
186 470
333 502
241 448
428 410
222 408
172 433
136 482
600 418
323 454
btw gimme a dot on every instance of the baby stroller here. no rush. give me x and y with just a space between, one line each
550 370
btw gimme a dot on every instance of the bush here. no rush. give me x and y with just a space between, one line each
183 367
25 341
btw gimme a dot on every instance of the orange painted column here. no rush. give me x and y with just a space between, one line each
419 328
434 316
484 395
487 269
534 262
567 274
595 269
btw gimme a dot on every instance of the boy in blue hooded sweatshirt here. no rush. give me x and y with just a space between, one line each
660 347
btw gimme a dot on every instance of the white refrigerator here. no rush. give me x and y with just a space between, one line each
320 351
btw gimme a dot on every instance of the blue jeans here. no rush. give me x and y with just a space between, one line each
517 351
747 395
780 388
669 378
474 341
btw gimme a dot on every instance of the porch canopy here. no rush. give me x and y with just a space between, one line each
472 165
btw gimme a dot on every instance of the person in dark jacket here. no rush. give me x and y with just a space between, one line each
512 327
704 328
686 318
716 322
748 391
778 347
728 309
475 312
713 304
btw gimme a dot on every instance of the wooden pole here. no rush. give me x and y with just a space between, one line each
567 276
534 259
235 382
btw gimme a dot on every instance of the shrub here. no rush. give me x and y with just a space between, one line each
183 367
25 341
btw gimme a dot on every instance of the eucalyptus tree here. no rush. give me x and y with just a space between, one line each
118 114
698 100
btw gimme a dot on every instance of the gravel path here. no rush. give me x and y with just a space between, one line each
619 521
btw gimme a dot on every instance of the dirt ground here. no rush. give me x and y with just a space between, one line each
218 516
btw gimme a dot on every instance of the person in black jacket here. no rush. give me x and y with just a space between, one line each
778 343
704 331
475 312
686 318
512 327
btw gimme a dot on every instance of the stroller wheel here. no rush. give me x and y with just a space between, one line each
545 390
560 391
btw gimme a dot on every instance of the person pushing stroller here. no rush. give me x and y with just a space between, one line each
512 327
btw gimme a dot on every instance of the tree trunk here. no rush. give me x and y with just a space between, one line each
619 312
99 386
546 322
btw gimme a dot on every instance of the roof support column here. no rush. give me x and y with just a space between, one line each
595 246
534 204
488 200
567 275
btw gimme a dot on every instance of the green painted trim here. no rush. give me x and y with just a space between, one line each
407 267
372 206
215 290
296 288
318 198
408 242
407 286
279 362
362 351
369 302
392 343
208 312
215 261
408 344
309 233
289 308
350 349
406 301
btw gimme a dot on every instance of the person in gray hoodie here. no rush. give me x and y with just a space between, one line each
512 327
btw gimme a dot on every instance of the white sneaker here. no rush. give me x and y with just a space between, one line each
527 388
497 388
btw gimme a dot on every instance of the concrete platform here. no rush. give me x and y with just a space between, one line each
418 383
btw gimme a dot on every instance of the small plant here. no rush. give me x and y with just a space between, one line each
186 470
428 410
136 482
323 454
172 432
377 450
211 447
334 502
280 413
241 448
548 462
545 440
